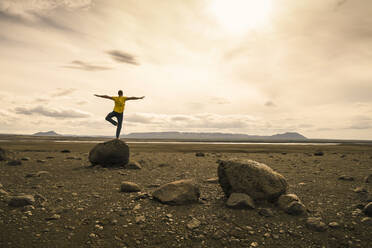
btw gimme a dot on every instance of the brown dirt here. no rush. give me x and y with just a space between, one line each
93 213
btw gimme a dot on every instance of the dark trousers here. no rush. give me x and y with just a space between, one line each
119 117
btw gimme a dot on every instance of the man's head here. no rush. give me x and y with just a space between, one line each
120 92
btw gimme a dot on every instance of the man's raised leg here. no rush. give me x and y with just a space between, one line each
109 118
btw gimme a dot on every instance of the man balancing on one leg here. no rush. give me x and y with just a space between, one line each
118 109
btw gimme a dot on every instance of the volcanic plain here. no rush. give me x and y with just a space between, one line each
79 205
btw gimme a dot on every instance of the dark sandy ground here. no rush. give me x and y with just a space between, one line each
81 206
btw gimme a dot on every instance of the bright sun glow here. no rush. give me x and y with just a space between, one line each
239 16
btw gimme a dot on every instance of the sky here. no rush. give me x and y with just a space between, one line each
257 67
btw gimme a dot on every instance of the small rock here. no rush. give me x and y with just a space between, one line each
319 153
368 209
3 192
93 235
99 227
368 179
286 199
21 201
133 165
129 187
14 162
164 165
360 190
65 151
240 200
40 173
367 220
194 223
140 219
254 244
212 180
356 212
41 161
200 154
53 217
267 212
25 159
2 154
295 208
49 157
178 192
137 207
316 224
219 234
334 224
28 175
346 178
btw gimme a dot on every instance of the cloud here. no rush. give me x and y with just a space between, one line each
340 3
198 121
51 112
219 100
63 92
122 57
40 13
27 8
82 102
42 100
80 65
270 104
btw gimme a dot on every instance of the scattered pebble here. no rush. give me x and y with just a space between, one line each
346 178
194 223
14 162
334 224
316 224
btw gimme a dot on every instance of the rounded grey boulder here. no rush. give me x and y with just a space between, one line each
178 192
111 153
255 179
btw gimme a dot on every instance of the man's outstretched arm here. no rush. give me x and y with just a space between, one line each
104 96
135 98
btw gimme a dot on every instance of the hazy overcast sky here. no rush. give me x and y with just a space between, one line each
243 66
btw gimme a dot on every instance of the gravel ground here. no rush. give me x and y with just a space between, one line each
77 205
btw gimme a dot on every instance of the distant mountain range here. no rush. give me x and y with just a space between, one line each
49 133
199 136
213 136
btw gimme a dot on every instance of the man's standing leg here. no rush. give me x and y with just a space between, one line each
120 121
109 118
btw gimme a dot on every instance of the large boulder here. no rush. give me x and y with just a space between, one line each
255 179
178 192
111 153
